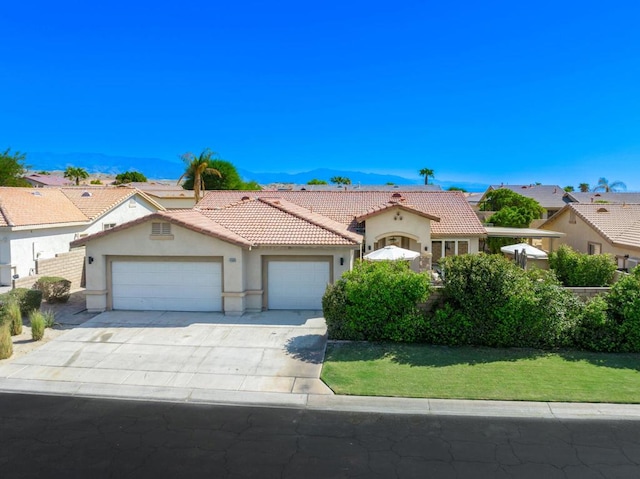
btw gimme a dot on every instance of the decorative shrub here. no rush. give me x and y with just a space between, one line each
624 309
580 269
6 344
37 325
377 301
13 315
448 326
49 319
54 289
29 299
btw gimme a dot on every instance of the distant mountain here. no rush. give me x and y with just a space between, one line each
110 165
157 169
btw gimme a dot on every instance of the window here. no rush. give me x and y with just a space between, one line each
160 229
108 226
594 248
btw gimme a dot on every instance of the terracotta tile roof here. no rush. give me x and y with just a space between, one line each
273 221
387 206
252 223
37 206
456 216
48 180
618 223
96 201
611 197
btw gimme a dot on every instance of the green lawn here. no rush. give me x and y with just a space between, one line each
373 369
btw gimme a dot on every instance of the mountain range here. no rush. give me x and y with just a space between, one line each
158 169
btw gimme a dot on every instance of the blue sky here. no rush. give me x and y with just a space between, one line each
491 91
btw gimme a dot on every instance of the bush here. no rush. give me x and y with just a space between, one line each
624 309
580 269
29 299
54 289
36 319
49 319
6 344
595 330
13 315
448 326
377 301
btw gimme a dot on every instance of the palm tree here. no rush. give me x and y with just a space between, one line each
584 187
340 180
76 174
604 185
426 172
197 166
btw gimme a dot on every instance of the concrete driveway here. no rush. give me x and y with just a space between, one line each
274 356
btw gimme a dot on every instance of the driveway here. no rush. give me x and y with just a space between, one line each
255 358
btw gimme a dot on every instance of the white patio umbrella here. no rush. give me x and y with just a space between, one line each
391 253
531 251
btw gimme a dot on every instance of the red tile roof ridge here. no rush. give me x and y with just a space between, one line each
311 217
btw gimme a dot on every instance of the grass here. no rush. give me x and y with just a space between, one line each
402 370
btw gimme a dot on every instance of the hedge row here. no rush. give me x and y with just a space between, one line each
488 301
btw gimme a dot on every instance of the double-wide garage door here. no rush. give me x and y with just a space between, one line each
297 284
167 285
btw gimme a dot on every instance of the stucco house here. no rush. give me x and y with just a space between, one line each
38 224
243 251
169 195
596 228
38 180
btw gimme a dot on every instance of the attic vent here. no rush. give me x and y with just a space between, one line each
602 210
245 198
396 195
85 194
160 229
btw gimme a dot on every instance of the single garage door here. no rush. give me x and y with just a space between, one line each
297 284
167 285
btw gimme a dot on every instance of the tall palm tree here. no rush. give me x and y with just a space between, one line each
604 185
426 172
76 174
584 187
197 167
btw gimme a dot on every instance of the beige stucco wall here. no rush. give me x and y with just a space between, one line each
242 282
580 234
383 225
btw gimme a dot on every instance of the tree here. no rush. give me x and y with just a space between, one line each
230 179
316 182
569 189
426 172
196 167
130 177
604 185
76 174
340 180
584 187
12 168
456 188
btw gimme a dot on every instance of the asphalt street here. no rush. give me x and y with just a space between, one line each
54 436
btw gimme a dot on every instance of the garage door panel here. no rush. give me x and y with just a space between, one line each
167 286
297 284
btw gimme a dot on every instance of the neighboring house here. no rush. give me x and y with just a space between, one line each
170 196
602 197
551 198
243 251
40 181
37 224
601 228
353 187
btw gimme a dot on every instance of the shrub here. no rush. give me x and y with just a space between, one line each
13 315
54 289
49 319
29 299
624 309
580 269
377 301
36 319
449 327
6 344
595 330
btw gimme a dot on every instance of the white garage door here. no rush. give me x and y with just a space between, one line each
167 285
297 284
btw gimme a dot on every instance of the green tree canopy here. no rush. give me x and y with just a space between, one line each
495 200
229 178
12 167
569 188
76 174
340 180
316 182
130 177
456 188
584 187
426 172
